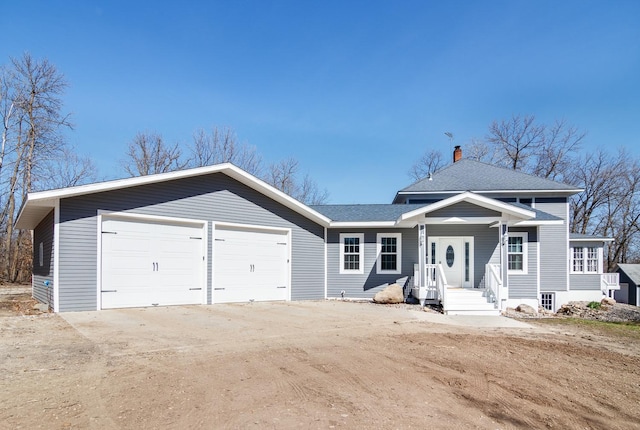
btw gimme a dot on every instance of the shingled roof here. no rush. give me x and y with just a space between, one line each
471 175
391 212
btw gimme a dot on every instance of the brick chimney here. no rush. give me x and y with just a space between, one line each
457 154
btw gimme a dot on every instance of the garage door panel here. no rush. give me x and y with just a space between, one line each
250 265
145 264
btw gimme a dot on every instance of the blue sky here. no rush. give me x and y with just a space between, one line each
355 90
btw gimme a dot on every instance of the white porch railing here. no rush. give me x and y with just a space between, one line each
432 285
494 285
608 282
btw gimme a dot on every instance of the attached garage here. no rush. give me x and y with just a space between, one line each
208 235
151 263
250 264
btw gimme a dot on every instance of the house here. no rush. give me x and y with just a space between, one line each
473 237
629 284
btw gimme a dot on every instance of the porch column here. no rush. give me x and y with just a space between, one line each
422 253
504 255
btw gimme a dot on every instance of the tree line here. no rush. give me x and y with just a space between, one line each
34 156
609 206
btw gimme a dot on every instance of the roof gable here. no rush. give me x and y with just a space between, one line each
471 175
39 204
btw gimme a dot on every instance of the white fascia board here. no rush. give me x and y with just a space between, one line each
48 198
363 224
458 220
473 198
529 223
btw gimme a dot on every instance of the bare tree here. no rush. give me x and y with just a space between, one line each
31 109
68 170
222 146
283 175
148 154
610 203
518 140
554 156
480 150
430 162
598 174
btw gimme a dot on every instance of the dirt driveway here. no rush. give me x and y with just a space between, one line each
309 365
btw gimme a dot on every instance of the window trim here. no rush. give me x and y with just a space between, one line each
585 260
398 253
551 296
525 253
360 270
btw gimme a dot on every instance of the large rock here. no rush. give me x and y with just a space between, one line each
608 301
392 294
526 309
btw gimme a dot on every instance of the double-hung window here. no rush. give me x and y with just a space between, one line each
389 247
351 253
517 253
585 259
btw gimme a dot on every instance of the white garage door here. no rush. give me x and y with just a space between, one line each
250 265
151 264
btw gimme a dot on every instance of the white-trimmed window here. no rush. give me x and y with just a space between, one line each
577 260
389 251
351 253
586 259
548 301
517 253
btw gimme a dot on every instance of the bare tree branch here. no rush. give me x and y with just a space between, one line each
430 162
147 154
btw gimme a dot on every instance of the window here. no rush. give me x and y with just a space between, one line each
517 253
592 259
41 254
547 301
586 259
351 252
389 253
578 260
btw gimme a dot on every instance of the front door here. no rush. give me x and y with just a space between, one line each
455 254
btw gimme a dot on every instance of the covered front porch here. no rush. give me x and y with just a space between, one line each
468 246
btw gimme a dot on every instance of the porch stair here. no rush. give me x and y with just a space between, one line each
469 301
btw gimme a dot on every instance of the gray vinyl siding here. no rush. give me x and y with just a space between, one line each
526 286
585 281
464 210
43 233
368 283
214 198
554 246
485 245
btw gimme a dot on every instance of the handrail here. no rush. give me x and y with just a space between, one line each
609 281
493 283
433 283
441 284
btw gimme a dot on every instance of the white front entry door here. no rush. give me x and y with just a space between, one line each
455 254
